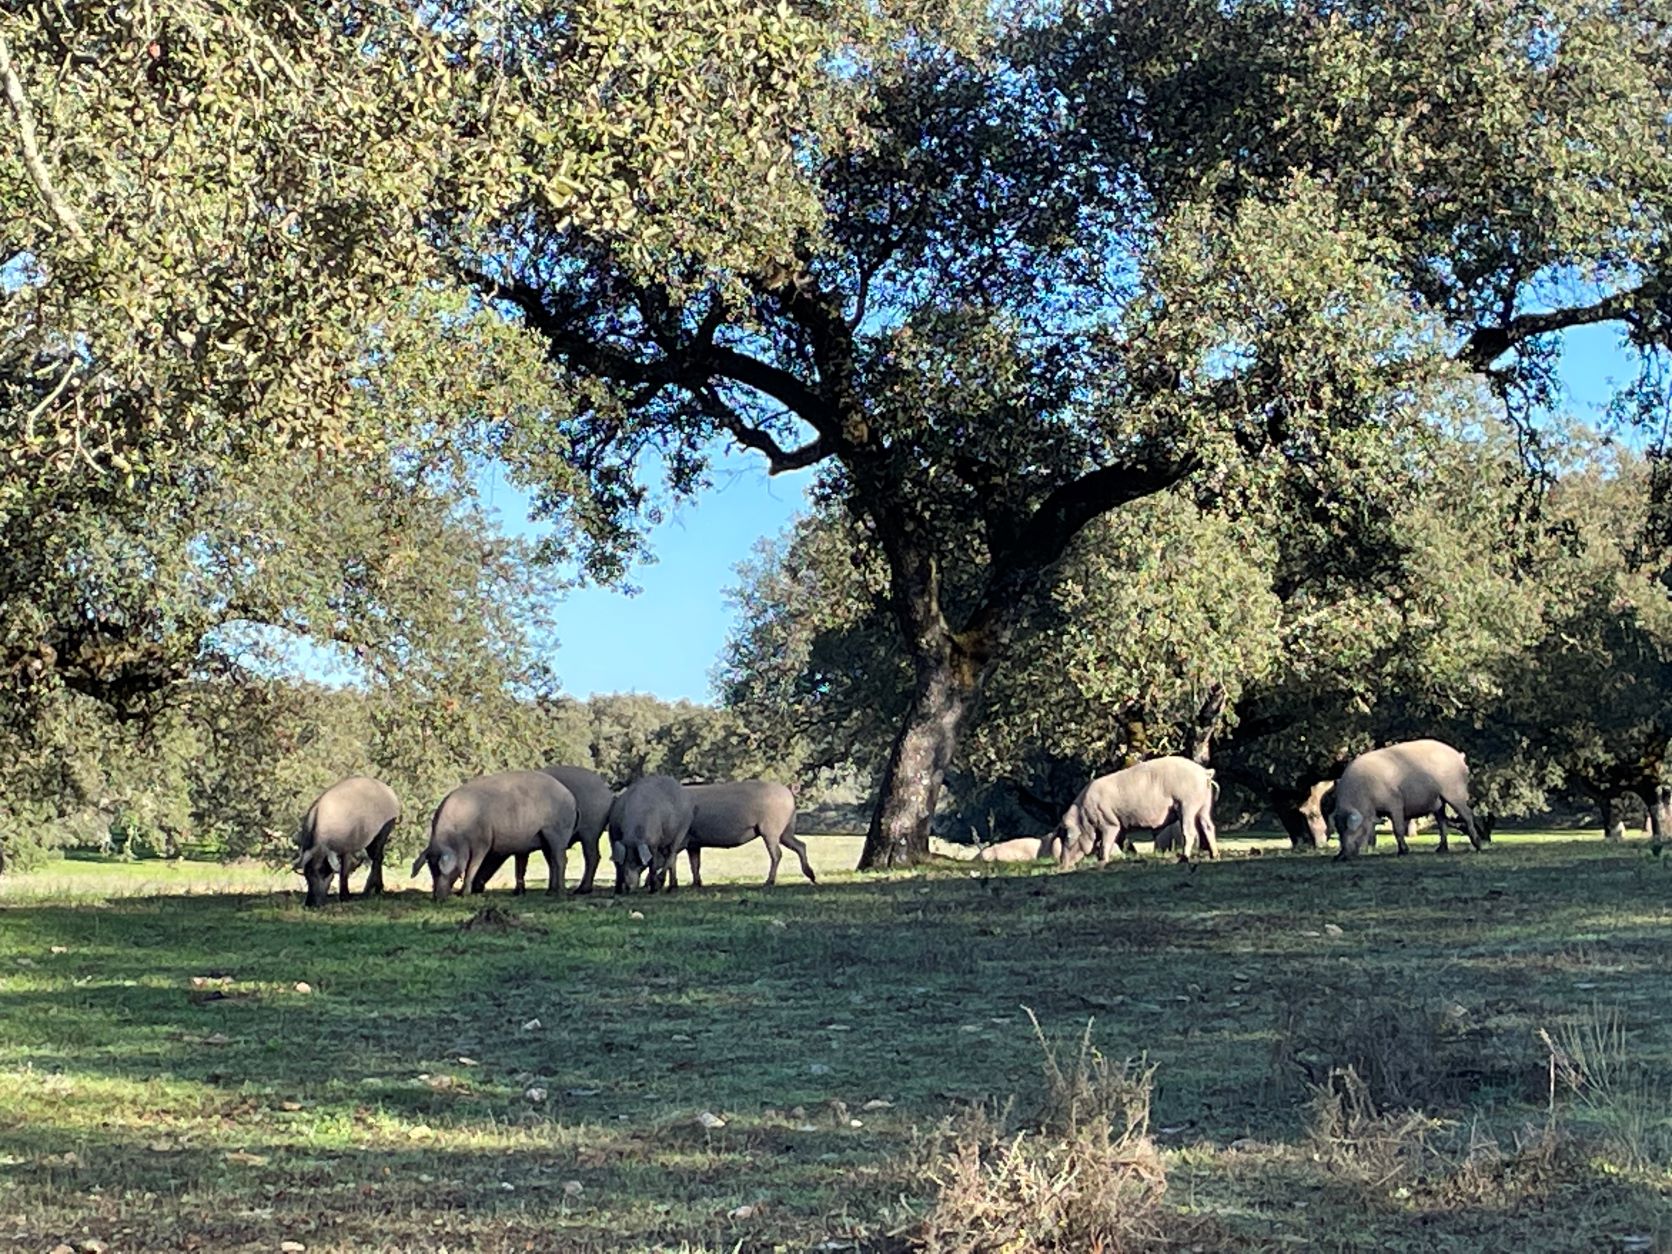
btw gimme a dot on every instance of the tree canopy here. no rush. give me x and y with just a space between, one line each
998 274
1095 251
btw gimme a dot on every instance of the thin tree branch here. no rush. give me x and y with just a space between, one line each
781 385
1042 539
692 367
32 160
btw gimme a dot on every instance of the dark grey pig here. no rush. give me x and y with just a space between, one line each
593 798
350 819
648 824
725 816
505 814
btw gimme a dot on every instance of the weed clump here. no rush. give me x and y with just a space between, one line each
1081 1174
1405 1158
1625 1103
494 919
1403 1050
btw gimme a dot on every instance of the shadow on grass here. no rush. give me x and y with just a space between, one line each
180 1017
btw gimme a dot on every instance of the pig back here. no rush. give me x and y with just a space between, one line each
653 811
592 793
1413 775
730 814
507 811
1144 795
351 812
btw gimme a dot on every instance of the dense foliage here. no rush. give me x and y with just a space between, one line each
245 386
1030 286
1095 251
1175 628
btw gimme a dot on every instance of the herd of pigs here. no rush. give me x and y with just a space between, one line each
509 815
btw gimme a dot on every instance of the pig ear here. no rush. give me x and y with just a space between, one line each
333 860
301 860
418 864
448 862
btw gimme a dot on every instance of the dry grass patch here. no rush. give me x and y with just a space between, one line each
1082 1174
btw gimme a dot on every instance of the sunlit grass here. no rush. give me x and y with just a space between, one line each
220 1063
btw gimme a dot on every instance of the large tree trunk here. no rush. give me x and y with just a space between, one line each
947 691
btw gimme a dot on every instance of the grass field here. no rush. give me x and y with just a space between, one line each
1464 1053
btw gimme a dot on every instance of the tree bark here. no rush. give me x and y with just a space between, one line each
947 690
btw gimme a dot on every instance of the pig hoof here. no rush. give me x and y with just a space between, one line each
585 890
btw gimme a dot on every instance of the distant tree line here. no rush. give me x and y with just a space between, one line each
227 768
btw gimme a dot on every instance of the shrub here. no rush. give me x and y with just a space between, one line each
1081 1175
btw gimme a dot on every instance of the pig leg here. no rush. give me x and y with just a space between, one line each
1207 836
1440 823
663 873
695 856
522 875
1108 840
342 878
589 860
491 862
375 852
557 867
774 854
1399 830
471 864
794 842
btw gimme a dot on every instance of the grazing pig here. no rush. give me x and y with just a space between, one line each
726 816
1151 794
593 798
648 825
350 818
1402 781
1022 849
505 814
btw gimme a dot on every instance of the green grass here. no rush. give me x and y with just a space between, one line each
164 1081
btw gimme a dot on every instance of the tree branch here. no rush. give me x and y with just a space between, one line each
1486 344
1042 539
1067 510
779 459
692 367
781 385
32 160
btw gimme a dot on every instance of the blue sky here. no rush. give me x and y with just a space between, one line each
666 639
